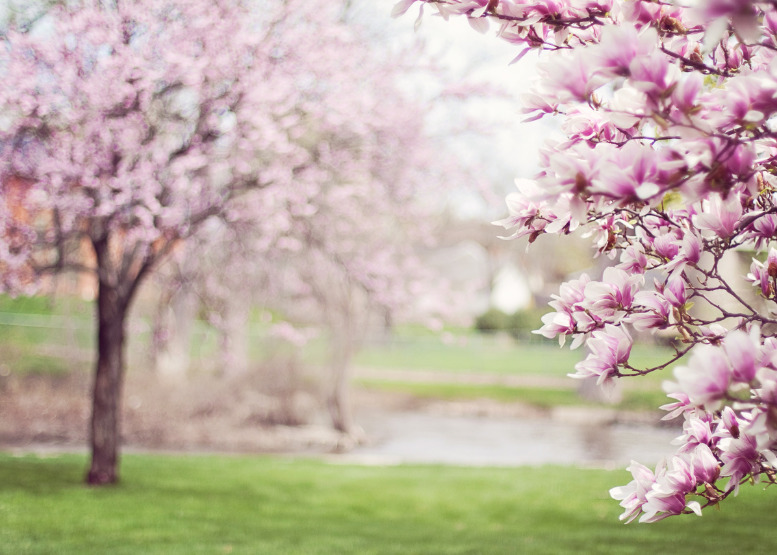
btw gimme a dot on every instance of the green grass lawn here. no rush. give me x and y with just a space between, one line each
41 335
484 354
212 504
488 354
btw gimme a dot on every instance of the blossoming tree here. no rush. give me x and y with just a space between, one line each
339 249
126 127
670 116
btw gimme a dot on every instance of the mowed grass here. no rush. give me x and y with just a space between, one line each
489 354
498 357
213 504
39 335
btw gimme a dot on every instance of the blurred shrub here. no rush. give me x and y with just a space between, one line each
519 324
523 322
491 321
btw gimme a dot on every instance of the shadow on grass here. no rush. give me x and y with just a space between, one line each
34 474
210 504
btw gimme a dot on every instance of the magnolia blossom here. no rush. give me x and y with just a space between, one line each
633 496
674 292
740 457
614 294
668 494
669 112
718 215
765 275
608 348
707 377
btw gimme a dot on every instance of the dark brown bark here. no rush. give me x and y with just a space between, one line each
118 279
104 430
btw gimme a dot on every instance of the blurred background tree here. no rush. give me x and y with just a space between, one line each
131 127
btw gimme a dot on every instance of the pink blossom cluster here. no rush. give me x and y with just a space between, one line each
668 165
727 396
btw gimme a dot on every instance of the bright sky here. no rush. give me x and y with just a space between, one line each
510 149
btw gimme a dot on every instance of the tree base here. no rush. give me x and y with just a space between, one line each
101 478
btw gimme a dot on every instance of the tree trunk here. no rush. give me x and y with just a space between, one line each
339 402
173 330
109 374
234 338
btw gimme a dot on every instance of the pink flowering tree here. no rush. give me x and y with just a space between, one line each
670 116
342 248
126 127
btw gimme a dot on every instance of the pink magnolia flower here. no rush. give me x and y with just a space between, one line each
742 350
630 173
686 93
571 293
736 102
759 275
719 215
557 323
674 291
526 210
613 294
633 259
619 45
769 353
574 172
568 78
764 229
688 253
633 496
677 408
696 431
707 377
585 124
656 314
728 425
666 245
740 457
608 348
763 423
765 275
569 317
741 160
654 75
667 497
703 463
648 14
